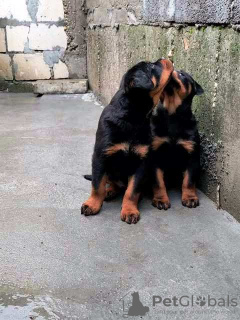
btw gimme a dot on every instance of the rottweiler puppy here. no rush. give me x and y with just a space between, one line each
176 142
123 139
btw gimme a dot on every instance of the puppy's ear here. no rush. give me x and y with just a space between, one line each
198 89
138 80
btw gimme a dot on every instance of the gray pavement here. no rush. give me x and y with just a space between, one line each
57 264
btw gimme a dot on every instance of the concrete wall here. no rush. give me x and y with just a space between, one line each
35 42
193 35
76 54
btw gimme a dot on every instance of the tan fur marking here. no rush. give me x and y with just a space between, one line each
160 191
97 197
154 81
130 201
117 147
141 150
188 193
166 73
182 91
189 88
187 145
159 141
171 103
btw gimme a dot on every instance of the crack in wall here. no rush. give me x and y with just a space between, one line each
171 8
231 8
216 79
26 46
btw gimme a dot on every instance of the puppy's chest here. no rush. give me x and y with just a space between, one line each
127 149
172 137
133 143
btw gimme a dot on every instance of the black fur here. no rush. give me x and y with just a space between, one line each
171 157
125 120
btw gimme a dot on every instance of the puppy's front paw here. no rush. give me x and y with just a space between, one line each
192 202
90 208
130 217
161 204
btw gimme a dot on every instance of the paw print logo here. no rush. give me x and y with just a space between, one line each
201 301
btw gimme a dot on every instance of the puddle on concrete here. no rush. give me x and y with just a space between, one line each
21 306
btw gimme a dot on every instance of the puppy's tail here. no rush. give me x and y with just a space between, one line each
88 177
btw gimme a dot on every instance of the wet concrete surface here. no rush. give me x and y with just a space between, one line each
57 264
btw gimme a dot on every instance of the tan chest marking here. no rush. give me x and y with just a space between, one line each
187 145
159 141
141 150
166 73
117 147
171 103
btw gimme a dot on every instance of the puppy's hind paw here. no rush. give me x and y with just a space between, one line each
111 195
190 203
130 218
161 205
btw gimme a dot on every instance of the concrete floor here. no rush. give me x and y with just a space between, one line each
57 264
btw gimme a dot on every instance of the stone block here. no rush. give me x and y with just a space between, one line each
12 9
43 37
202 11
187 11
50 10
77 66
101 16
17 38
2 40
159 11
5 67
235 12
61 86
30 67
60 70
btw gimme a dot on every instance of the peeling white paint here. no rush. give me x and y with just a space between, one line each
171 8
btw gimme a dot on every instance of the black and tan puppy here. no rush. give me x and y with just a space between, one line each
123 138
176 142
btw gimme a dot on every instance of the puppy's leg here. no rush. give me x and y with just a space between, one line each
189 192
190 176
112 191
130 212
93 205
160 196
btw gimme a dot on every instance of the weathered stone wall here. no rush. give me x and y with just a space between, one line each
200 38
76 54
35 42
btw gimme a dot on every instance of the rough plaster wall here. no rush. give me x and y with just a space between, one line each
110 13
34 43
75 55
187 11
211 53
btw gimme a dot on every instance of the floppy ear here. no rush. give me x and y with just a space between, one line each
198 89
138 80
